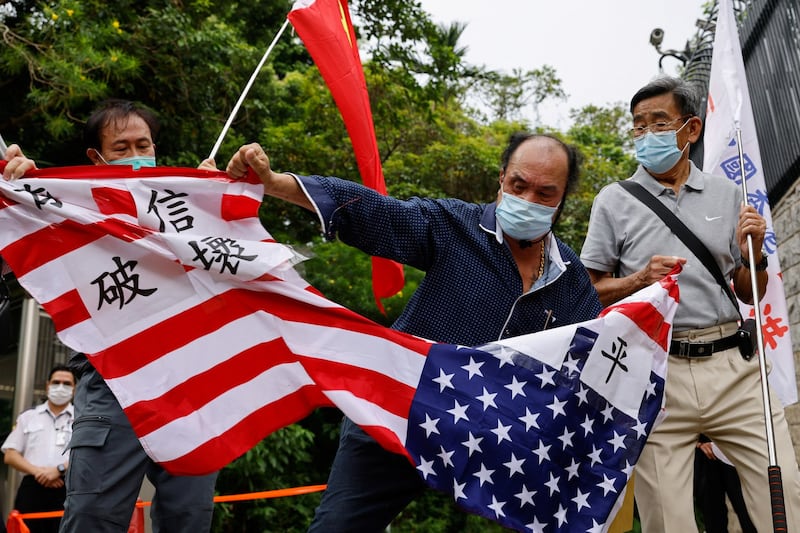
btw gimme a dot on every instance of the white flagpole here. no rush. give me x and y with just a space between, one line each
762 358
3 147
227 125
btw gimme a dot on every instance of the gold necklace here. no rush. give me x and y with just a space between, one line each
541 264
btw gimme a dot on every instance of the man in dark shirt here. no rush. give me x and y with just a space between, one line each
492 271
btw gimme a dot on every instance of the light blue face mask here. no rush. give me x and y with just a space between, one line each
658 151
523 220
136 162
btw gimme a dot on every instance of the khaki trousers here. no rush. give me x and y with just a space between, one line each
719 396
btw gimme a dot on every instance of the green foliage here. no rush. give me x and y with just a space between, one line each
601 134
343 274
507 95
185 61
284 459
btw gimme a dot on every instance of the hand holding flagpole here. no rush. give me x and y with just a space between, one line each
227 125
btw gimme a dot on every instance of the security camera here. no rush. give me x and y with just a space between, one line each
657 37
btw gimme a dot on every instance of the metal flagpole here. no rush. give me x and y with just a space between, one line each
773 469
225 128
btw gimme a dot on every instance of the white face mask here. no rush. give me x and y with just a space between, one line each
59 394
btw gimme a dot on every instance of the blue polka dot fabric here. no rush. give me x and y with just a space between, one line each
472 291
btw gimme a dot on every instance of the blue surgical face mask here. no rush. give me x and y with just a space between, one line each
524 220
658 152
136 162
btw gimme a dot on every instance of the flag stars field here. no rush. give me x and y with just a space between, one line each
480 422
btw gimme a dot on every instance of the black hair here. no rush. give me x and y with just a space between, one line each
61 368
115 110
686 95
574 160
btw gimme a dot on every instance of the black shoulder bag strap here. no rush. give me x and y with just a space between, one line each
683 233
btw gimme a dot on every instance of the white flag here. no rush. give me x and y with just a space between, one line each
728 108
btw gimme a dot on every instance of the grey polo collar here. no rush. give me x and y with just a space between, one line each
696 180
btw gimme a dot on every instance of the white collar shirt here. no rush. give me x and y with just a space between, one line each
42 436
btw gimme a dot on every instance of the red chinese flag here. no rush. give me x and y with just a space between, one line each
325 28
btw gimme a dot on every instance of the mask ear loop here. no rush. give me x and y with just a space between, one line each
103 159
679 129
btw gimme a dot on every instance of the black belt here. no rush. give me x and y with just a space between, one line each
684 348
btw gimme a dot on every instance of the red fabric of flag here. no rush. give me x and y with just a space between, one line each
325 28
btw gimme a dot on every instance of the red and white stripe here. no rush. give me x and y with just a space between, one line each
211 363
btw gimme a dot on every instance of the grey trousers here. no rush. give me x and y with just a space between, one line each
107 465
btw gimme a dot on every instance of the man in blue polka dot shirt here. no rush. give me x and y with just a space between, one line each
492 271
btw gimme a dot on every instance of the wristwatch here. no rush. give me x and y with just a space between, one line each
61 469
761 266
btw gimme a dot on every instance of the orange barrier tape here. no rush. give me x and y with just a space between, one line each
278 493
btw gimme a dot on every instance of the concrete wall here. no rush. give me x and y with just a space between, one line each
785 217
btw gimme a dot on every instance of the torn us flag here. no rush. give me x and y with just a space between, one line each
210 341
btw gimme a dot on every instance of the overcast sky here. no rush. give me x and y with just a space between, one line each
599 48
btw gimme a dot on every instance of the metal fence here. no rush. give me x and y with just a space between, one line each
769 32
770 36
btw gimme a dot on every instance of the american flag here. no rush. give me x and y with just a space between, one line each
210 341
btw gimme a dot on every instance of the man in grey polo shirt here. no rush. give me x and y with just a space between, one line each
628 247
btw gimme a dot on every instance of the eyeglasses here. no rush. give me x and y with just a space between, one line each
657 127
